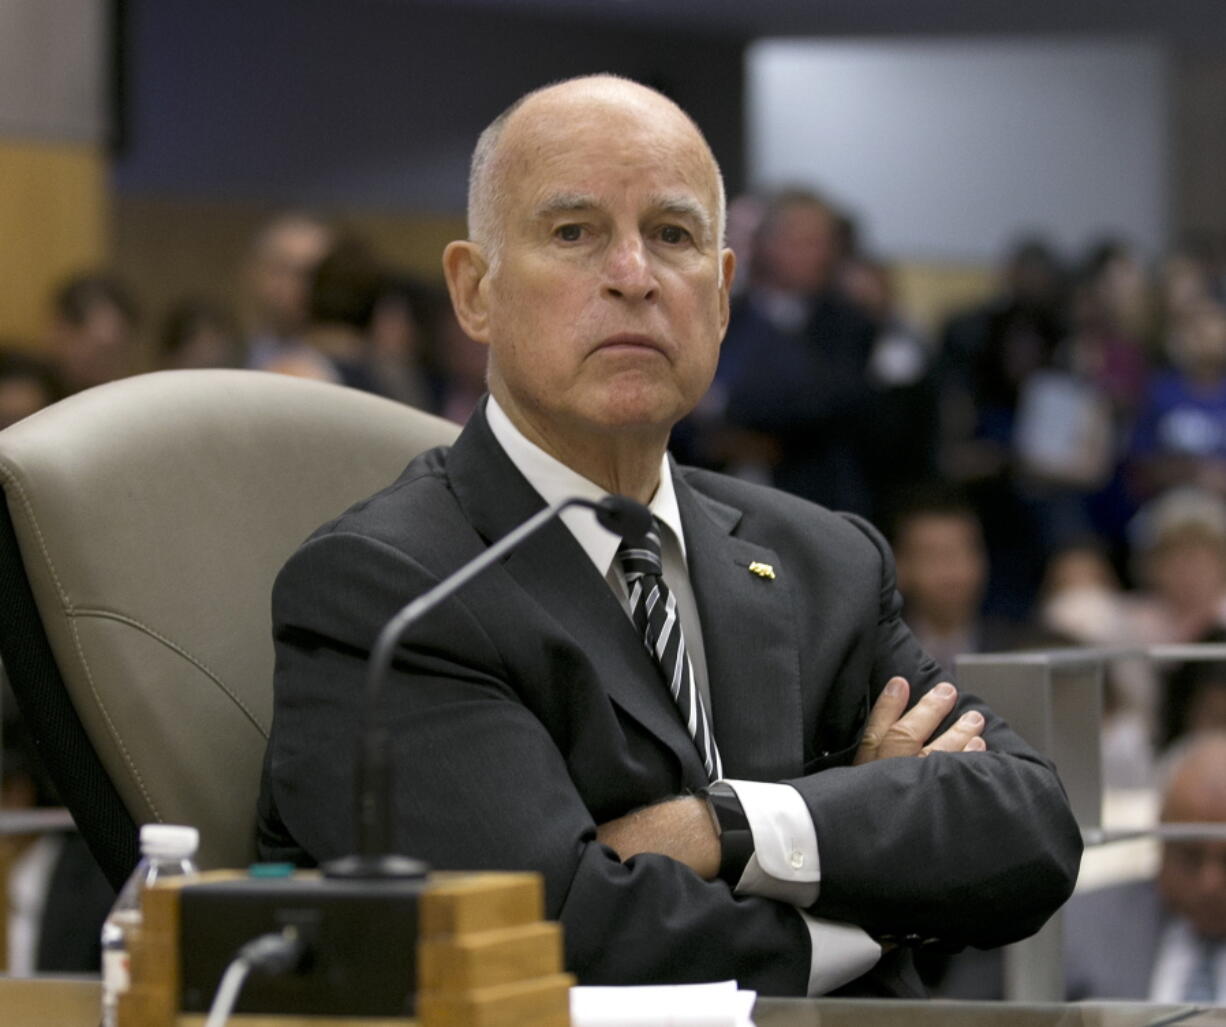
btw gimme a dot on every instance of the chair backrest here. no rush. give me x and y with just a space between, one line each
145 522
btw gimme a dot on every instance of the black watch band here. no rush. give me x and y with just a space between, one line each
735 836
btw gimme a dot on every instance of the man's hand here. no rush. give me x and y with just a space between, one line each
892 732
680 828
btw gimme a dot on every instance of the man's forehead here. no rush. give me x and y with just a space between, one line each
560 154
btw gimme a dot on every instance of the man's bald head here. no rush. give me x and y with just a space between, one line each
1192 878
608 96
1196 783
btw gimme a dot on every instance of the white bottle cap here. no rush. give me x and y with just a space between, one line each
168 841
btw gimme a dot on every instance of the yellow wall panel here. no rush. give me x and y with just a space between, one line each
53 221
931 292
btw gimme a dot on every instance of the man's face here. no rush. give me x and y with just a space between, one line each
1188 572
941 567
798 250
1192 877
605 309
281 272
99 349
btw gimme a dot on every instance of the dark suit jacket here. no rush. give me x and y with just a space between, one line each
526 710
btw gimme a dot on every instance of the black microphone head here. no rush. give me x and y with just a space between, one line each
623 517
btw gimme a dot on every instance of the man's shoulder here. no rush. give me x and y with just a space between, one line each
781 514
417 505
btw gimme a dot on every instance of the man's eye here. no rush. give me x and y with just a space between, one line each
673 234
569 233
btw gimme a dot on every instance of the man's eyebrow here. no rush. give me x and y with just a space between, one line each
564 203
683 207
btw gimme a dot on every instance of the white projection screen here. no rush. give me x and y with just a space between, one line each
950 149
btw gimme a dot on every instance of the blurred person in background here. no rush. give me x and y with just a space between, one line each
942 571
794 363
1082 603
1157 939
276 278
1185 284
27 384
93 331
341 299
1073 414
1180 436
1179 550
1105 363
399 346
1112 325
198 333
744 217
988 354
900 370
989 349
462 362
704 438
1161 940
1081 599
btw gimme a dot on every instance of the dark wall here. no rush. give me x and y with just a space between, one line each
371 103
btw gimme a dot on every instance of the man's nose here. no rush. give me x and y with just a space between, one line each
629 273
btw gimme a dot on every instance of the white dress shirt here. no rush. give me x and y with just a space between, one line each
1179 950
785 864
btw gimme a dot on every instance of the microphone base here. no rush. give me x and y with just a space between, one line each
376 868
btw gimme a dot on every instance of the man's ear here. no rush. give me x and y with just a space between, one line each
728 267
465 269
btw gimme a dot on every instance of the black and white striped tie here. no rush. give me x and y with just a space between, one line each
654 610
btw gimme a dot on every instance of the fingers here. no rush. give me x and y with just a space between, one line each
963 736
890 705
911 732
892 730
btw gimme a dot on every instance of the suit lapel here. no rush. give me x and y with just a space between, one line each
751 642
554 570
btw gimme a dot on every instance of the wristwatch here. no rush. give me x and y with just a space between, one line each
732 826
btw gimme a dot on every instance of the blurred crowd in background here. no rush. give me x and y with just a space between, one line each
1050 465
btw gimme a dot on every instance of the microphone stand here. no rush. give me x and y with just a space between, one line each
373 859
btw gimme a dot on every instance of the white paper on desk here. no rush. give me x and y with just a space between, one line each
673 1005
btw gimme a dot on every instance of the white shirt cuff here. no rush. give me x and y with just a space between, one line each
840 953
784 865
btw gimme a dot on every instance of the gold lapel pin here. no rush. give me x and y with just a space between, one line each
762 570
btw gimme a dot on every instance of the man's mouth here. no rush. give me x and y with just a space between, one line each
629 341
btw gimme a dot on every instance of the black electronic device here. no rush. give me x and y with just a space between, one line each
359 940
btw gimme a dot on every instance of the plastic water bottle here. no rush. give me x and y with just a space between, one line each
166 850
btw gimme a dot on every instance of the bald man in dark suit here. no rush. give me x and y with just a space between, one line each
810 800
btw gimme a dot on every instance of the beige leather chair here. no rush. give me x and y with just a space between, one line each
144 524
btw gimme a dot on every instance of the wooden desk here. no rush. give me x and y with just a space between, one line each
75 1002
50 1002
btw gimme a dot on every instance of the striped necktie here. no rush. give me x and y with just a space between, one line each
654 611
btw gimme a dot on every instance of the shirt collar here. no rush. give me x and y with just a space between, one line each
555 481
